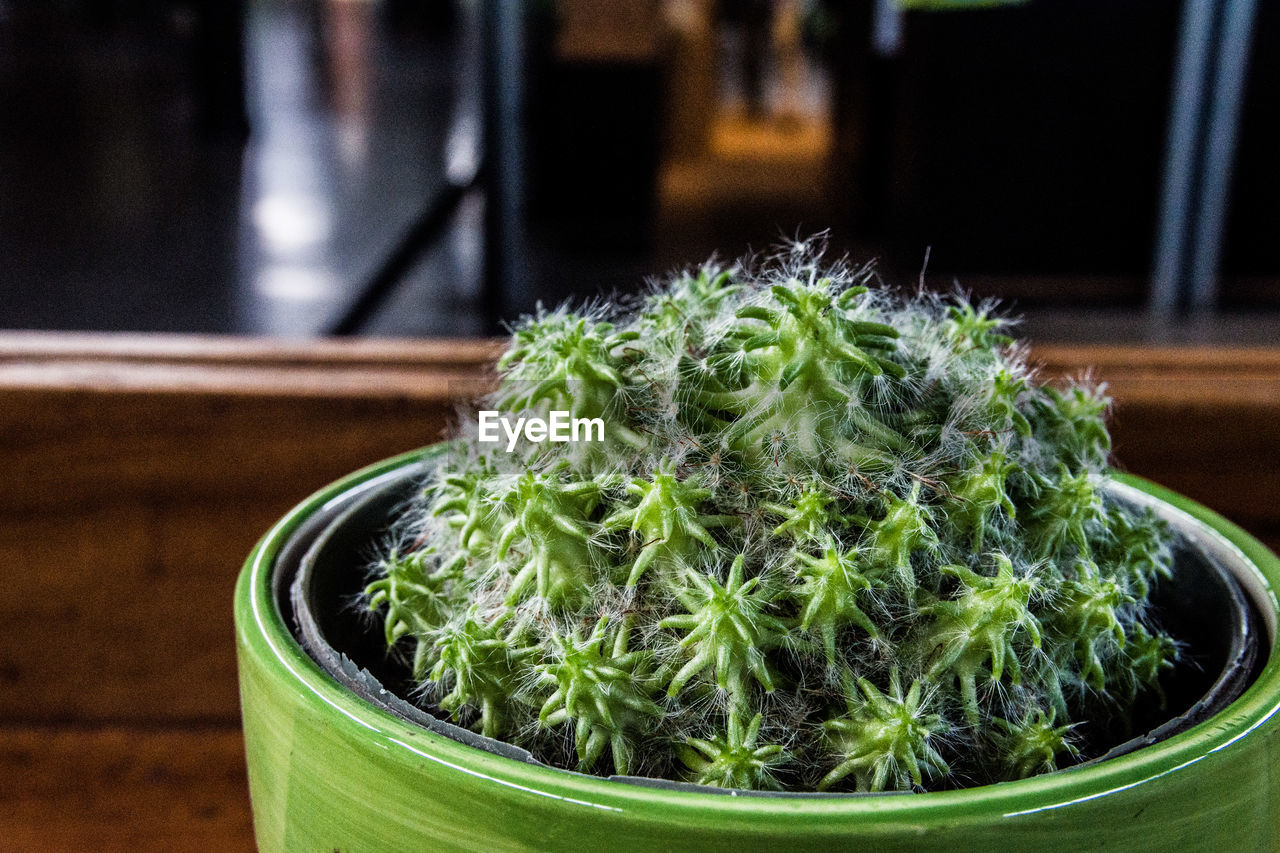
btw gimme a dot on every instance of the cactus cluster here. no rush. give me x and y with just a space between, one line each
835 537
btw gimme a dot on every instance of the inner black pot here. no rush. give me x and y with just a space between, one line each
321 574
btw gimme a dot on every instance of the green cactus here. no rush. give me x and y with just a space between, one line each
477 664
981 492
828 593
729 630
734 760
834 537
551 529
810 515
1089 611
667 519
414 593
1034 744
885 741
980 625
601 691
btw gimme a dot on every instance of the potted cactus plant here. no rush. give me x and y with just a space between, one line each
775 531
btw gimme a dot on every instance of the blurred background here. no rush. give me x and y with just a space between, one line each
425 167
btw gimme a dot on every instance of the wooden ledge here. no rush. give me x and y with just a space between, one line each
158 363
221 350
173 364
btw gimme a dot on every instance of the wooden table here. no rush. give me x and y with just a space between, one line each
138 472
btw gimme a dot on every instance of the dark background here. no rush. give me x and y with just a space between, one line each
312 167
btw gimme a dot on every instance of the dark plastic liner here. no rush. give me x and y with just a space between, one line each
320 576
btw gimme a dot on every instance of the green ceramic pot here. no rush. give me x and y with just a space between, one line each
329 770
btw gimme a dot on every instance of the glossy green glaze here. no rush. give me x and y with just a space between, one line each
327 771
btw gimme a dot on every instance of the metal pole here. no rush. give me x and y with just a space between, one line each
504 156
1235 36
1182 156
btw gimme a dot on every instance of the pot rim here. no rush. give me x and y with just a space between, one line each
262 630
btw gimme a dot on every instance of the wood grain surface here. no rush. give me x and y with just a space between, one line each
132 492
123 789
138 471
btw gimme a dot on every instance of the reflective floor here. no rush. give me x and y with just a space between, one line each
126 205
118 211
121 212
